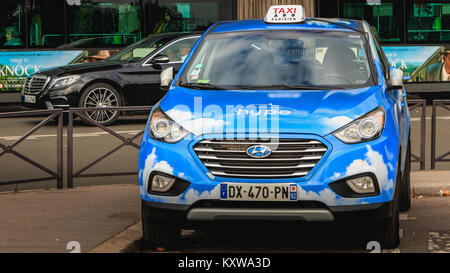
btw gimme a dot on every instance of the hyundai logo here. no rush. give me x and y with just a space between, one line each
259 151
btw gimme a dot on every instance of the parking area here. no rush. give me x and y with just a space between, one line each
423 229
53 220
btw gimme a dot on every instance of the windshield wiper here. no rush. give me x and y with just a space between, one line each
202 86
283 86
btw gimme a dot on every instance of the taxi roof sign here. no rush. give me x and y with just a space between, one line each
285 14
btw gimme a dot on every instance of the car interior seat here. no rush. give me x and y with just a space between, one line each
340 60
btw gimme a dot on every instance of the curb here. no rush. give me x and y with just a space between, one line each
430 183
430 190
125 241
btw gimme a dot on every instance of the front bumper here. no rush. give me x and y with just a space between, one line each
204 213
379 158
46 104
56 99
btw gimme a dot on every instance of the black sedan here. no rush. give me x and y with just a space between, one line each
129 77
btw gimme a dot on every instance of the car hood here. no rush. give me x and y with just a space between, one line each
81 68
268 111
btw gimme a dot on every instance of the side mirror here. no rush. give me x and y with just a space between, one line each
395 79
160 59
166 78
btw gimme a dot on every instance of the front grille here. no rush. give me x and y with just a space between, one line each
289 158
35 84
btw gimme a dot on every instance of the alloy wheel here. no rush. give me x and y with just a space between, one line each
101 98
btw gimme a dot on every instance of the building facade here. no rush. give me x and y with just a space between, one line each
32 30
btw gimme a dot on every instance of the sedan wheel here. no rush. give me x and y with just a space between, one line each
101 96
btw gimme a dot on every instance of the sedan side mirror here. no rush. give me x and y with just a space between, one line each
395 79
166 78
160 59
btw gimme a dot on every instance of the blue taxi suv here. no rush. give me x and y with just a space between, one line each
288 118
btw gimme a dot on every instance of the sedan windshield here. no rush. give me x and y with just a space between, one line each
280 60
141 49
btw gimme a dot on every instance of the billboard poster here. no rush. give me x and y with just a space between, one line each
418 63
16 66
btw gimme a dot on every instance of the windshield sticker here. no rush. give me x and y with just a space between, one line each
196 72
203 81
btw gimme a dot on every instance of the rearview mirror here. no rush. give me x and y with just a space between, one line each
166 77
161 59
395 79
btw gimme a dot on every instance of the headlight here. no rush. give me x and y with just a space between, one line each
366 128
63 82
162 128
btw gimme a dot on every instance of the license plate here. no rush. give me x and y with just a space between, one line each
258 192
30 99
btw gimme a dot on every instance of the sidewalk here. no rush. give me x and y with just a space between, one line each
103 218
430 182
47 220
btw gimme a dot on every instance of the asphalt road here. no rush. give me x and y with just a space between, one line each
91 142
423 229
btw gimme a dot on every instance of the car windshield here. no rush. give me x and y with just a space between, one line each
141 49
274 59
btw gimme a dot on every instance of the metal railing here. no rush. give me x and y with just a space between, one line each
420 104
80 112
130 141
445 104
9 149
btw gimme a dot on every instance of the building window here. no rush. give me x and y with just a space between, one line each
428 22
385 16
45 23
12 25
185 16
100 23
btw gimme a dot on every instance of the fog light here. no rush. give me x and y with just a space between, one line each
162 183
362 185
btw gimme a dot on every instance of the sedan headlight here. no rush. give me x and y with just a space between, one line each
63 82
164 129
366 128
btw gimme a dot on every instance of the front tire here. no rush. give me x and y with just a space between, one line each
388 229
159 233
101 95
405 190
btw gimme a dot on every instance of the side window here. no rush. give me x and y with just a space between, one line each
100 23
12 24
178 51
185 15
45 26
